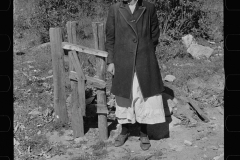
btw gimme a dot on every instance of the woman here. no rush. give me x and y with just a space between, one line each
132 33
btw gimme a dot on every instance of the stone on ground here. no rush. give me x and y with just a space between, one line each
169 78
199 51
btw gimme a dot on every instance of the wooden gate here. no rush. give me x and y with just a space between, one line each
77 77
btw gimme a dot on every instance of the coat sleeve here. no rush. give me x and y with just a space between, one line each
110 35
155 31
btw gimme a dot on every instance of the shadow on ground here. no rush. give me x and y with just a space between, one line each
155 131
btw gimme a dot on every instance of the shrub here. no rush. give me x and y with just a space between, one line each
179 17
56 13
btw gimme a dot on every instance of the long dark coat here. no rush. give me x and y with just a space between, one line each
131 40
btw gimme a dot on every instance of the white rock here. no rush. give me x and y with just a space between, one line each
199 51
188 143
50 72
68 100
213 147
169 78
188 40
80 139
68 138
218 157
16 143
39 132
164 67
35 112
213 118
174 122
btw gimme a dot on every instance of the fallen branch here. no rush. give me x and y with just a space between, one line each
194 105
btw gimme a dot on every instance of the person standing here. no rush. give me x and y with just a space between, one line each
132 32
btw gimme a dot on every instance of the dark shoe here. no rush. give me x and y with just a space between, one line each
145 143
120 140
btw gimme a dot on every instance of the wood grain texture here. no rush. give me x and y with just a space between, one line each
91 81
77 115
99 40
79 48
58 75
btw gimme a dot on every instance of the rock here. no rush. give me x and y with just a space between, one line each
188 40
175 121
169 78
50 72
68 100
213 147
164 67
80 139
111 103
204 138
218 157
171 105
188 143
199 51
213 118
15 142
68 138
35 112
39 132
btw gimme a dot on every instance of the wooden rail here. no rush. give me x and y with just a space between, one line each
79 48
77 77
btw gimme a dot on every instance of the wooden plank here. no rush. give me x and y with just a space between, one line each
77 115
194 105
81 80
58 75
101 108
92 81
70 40
99 40
76 64
79 48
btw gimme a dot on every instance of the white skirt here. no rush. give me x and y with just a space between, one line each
148 111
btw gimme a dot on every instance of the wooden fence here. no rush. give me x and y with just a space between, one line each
77 77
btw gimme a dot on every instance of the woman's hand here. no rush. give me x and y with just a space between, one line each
111 68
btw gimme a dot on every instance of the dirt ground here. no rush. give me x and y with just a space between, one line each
185 136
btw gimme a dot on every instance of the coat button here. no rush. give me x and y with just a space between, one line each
135 40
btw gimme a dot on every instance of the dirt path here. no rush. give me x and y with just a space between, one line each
203 142
38 136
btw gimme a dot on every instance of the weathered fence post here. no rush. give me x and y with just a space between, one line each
58 75
78 89
99 40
